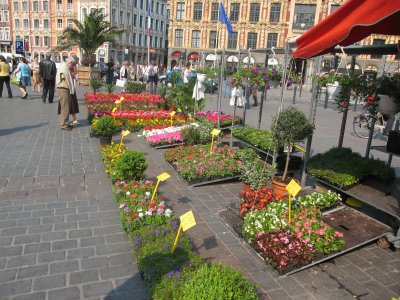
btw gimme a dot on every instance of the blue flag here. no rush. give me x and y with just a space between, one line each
224 19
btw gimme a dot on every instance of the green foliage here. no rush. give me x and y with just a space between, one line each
162 91
109 87
104 126
135 87
89 35
261 139
95 84
390 86
216 282
130 165
344 168
200 134
319 200
212 73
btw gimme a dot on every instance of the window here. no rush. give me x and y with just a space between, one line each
46 23
59 5
161 42
7 35
36 23
129 19
195 38
70 5
113 16
162 26
35 5
151 41
155 42
158 8
141 22
180 10
197 11
141 4
254 12
134 20
46 41
16 23
26 23
45 5
163 7
37 41
304 16
134 38
213 42
140 39
24 6
252 40
214 11
178 37
121 17
157 25
235 12
70 24
275 13
5 16
59 24
1 16
377 42
16 6
272 40
232 41
334 7
1 34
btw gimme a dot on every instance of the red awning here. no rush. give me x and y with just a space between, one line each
350 23
193 56
176 54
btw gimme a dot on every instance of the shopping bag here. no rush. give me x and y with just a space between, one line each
15 80
120 83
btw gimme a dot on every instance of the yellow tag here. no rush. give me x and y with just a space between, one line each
300 148
164 176
187 221
215 132
122 99
172 113
293 188
125 132
118 102
114 109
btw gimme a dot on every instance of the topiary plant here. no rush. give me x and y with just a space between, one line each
129 166
104 126
95 84
290 126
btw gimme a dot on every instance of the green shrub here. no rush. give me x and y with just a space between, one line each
95 84
216 282
104 126
130 165
135 87
198 135
261 139
109 87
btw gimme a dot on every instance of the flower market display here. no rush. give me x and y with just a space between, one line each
286 245
259 138
153 229
165 136
196 164
225 121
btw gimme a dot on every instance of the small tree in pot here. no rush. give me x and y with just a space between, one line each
290 126
104 128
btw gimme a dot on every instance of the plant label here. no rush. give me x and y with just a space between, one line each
125 133
122 99
293 188
187 221
215 132
114 109
172 113
164 176
117 102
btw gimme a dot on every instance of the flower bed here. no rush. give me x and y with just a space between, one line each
344 168
225 121
102 104
256 200
196 164
261 139
165 136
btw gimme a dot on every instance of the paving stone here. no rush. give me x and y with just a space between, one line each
10 251
33 207
112 249
65 211
19 261
19 215
89 223
77 217
65 226
64 267
40 228
92 241
54 236
83 277
107 230
15 287
5 241
33 271
79 233
43 193
52 219
61 245
37 248
28 221
27 239
31 296
8 275
51 256
8 223
94 263
80 253
117 238
13 231
49 282
97 289
71 293
118 271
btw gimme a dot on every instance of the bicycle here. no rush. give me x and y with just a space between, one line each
363 122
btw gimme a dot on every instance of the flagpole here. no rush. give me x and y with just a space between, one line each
148 31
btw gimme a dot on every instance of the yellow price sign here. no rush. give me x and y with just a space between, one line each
114 109
293 188
164 176
187 221
125 133
215 132
172 113
118 102
122 98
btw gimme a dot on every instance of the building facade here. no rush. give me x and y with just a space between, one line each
5 27
195 33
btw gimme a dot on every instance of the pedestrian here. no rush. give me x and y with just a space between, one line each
186 73
161 70
74 107
145 74
5 77
36 78
237 96
110 71
65 90
48 72
152 77
131 72
139 73
14 63
123 73
24 75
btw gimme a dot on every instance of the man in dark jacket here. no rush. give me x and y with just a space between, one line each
48 72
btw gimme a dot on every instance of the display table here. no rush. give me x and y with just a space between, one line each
383 149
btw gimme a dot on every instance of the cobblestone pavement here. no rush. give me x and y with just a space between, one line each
60 236
60 233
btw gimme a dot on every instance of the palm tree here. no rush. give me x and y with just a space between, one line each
89 35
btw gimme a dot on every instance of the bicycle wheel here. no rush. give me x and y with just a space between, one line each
362 126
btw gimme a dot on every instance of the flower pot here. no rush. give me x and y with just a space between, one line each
393 143
201 77
274 83
246 188
333 90
387 105
278 186
105 140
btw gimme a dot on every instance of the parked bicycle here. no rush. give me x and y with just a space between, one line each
362 125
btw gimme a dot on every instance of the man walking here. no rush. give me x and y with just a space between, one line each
65 90
48 71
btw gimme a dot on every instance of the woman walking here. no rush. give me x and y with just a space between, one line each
36 79
5 76
25 76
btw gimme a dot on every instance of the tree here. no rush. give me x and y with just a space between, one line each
89 35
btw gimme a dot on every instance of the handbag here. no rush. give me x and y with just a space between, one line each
15 80
120 83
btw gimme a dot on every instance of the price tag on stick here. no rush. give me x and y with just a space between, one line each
214 133
123 134
162 177
293 189
172 114
187 222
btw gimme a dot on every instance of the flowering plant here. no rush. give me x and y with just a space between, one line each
136 207
256 200
325 199
225 120
110 154
283 249
166 135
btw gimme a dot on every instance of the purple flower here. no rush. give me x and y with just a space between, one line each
273 72
170 274
266 78
264 71
119 191
127 209
137 240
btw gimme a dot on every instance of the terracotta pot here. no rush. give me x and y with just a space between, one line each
246 188
333 90
278 187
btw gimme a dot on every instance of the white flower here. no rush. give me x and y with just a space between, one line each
140 215
128 193
167 212
139 210
122 205
147 193
149 213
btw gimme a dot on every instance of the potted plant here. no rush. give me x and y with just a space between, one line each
254 173
290 126
388 90
336 85
104 128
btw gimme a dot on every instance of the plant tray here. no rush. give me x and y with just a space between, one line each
357 228
164 146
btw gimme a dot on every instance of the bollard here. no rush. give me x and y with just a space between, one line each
326 100
294 94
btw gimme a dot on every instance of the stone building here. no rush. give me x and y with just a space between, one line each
5 27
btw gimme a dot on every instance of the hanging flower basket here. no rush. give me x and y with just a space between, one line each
387 105
333 90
